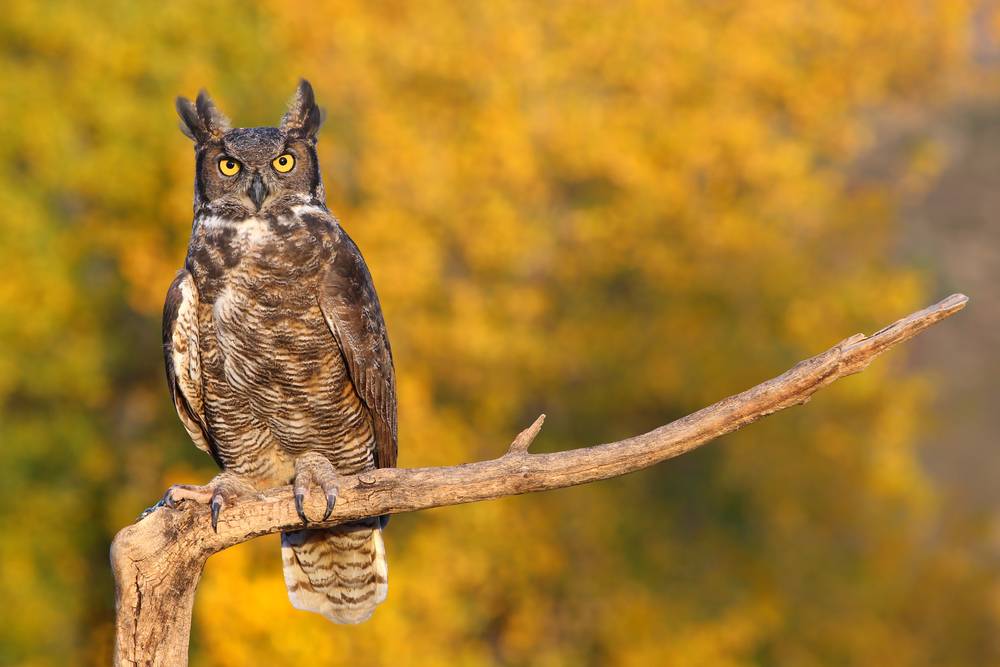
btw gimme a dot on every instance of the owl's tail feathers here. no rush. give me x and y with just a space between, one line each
338 572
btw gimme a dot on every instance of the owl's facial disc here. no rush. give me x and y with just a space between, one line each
253 171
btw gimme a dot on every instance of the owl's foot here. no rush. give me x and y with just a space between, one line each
314 468
221 491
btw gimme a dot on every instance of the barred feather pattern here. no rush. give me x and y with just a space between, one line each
273 381
340 572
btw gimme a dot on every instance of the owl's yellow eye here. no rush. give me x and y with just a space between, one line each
283 163
229 167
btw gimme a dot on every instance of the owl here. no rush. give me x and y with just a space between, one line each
276 351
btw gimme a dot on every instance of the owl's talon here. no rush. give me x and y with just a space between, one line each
331 501
314 469
299 497
216 505
217 494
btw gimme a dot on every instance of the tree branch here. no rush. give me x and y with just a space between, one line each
158 561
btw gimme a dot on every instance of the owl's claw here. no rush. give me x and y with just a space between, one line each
216 505
331 501
149 510
314 469
217 494
299 497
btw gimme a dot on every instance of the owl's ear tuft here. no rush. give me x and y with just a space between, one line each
191 125
201 121
303 117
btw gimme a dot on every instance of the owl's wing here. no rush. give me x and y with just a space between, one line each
352 311
183 359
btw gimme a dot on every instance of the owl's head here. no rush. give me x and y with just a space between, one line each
240 172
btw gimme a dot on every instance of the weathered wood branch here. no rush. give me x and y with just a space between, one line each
158 561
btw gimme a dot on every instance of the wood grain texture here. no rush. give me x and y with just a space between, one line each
158 561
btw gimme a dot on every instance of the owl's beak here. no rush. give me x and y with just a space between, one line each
257 191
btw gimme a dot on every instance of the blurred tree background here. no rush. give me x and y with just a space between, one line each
611 212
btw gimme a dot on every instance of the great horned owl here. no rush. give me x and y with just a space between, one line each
277 356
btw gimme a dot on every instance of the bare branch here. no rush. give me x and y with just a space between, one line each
157 561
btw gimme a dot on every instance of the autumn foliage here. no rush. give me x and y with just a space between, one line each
610 212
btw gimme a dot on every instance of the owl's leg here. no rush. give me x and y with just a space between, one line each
224 488
314 468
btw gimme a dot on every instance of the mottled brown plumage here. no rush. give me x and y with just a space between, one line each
276 351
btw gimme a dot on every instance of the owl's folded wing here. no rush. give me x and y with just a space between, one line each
183 359
352 311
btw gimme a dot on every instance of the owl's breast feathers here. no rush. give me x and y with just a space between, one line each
275 345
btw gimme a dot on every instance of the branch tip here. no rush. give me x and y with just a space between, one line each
526 437
954 302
